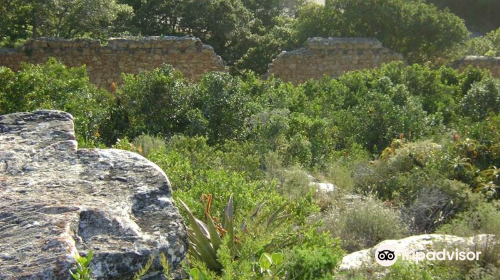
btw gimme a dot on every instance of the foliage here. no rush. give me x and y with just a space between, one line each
206 238
483 98
421 271
361 222
487 45
145 269
398 24
411 148
67 19
479 16
482 219
83 272
141 272
156 102
234 252
311 261
54 86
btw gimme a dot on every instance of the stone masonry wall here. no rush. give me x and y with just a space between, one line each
485 62
331 57
106 63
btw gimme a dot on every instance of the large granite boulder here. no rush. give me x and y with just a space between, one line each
57 200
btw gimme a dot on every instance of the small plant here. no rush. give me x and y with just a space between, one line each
164 263
206 238
271 263
139 274
83 271
166 266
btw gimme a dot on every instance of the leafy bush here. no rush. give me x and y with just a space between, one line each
146 144
82 271
421 271
482 219
156 102
224 105
314 261
54 86
482 99
362 223
397 24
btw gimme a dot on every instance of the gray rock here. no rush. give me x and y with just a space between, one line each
420 243
57 200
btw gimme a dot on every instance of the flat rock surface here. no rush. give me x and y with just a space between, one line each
57 200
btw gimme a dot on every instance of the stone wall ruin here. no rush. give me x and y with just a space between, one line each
321 56
331 57
106 63
484 62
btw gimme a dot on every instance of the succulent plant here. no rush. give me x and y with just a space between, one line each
205 237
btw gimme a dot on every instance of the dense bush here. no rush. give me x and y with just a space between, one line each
423 142
54 86
361 222
487 45
482 99
398 24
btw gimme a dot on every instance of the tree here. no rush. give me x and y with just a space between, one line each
14 22
488 45
420 31
156 17
479 15
219 23
62 18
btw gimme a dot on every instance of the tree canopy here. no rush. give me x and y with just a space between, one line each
248 34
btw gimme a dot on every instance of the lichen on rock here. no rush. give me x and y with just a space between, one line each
57 200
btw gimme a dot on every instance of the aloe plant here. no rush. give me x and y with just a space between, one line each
205 237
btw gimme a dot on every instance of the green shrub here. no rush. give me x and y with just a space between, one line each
82 271
397 24
362 222
314 262
482 219
146 144
156 102
55 86
421 271
225 105
487 45
483 98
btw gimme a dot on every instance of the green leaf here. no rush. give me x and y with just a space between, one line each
195 273
214 235
277 258
265 261
228 213
200 241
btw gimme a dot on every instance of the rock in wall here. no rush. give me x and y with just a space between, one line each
106 63
485 62
331 57
57 200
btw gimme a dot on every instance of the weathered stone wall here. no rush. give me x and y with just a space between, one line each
485 62
331 57
106 63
